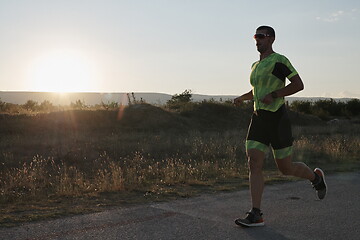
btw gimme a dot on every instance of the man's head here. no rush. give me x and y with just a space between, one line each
265 37
267 29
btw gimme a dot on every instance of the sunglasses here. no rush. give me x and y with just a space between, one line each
261 35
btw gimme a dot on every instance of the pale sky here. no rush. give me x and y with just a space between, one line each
167 46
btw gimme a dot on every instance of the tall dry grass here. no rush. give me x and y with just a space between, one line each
54 158
328 144
209 157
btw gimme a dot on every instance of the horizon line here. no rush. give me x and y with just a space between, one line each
145 92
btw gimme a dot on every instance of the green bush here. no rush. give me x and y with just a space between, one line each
46 106
353 107
331 106
302 106
179 101
31 105
327 108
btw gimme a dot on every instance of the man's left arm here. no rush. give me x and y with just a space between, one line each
295 85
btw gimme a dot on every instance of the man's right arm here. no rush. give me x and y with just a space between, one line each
244 97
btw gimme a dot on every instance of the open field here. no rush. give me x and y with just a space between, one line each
77 161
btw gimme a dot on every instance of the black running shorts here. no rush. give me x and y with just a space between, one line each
271 128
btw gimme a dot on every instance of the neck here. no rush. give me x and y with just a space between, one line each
265 54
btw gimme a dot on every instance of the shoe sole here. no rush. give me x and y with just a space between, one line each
250 224
323 177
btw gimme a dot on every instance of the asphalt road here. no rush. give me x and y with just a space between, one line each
291 211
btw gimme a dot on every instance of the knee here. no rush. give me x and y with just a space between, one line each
285 166
255 160
286 170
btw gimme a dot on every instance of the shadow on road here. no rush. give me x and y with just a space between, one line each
265 233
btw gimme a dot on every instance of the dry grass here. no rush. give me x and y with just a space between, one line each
98 160
207 157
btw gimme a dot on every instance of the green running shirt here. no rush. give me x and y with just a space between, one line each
269 75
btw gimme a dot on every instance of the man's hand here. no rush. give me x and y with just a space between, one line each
268 99
244 97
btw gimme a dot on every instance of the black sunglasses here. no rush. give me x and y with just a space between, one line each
261 35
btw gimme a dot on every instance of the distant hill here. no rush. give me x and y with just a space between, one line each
93 98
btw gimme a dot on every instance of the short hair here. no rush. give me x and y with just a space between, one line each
269 30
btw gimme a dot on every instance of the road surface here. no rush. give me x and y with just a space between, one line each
291 211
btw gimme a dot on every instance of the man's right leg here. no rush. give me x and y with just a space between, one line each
257 142
256 179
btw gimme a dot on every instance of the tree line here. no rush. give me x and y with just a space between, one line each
327 108
323 108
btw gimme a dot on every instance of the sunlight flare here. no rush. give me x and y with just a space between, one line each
62 70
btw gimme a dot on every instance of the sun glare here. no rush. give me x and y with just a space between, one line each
62 71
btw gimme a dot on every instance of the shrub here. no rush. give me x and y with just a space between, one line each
302 106
31 105
46 106
110 105
353 107
78 104
327 108
178 101
331 106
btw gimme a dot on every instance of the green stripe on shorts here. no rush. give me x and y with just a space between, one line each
282 153
251 144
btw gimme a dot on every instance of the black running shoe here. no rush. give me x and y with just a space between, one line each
252 220
320 187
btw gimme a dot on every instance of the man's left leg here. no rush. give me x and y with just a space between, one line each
297 169
301 170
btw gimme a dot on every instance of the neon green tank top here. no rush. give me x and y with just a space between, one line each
267 76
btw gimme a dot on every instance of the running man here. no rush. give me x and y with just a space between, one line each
270 123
